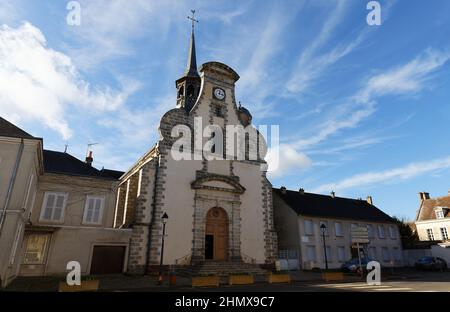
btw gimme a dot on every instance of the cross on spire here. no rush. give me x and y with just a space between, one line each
192 18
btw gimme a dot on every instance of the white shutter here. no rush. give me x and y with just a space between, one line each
90 210
59 206
338 228
48 208
341 254
93 210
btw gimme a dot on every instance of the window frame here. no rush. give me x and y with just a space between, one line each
439 214
305 227
430 235
381 234
444 233
44 207
86 206
392 232
341 234
339 254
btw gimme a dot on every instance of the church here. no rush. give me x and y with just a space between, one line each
219 209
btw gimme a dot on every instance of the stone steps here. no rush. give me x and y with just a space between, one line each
221 269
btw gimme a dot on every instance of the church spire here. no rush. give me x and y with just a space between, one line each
188 86
191 68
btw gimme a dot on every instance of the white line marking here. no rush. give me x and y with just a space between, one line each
371 286
342 285
393 289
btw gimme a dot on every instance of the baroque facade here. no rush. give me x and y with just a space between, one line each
219 209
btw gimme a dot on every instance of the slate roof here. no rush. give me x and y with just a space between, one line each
316 205
7 129
426 210
64 163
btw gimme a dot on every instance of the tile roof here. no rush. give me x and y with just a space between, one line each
316 205
64 163
7 129
426 210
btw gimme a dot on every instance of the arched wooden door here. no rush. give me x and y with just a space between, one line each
216 235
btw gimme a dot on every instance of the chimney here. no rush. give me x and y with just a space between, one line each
283 190
333 194
89 159
370 200
424 195
301 191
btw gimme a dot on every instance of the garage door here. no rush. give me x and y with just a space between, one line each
107 259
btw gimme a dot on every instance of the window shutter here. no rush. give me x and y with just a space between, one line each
98 207
57 212
49 207
90 210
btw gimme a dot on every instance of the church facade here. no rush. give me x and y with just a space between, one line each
219 205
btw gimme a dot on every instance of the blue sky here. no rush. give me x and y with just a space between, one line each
363 110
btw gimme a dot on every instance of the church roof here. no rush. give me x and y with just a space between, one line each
64 163
7 129
191 68
325 206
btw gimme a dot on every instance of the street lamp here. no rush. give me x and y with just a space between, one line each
323 228
164 218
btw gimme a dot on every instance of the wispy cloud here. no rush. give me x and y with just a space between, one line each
51 81
287 162
409 171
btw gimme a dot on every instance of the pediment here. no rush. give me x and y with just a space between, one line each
218 182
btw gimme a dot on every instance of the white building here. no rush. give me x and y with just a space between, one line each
433 218
299 215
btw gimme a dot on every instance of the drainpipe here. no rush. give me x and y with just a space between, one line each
150 226
11 184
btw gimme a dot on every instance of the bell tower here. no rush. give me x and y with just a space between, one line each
188 86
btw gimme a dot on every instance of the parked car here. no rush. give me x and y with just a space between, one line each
431 263
353 265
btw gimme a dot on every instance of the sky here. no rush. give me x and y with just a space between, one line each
363 110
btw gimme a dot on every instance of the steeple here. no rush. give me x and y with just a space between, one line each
191 68
188 86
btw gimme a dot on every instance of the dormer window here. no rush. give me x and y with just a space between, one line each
440 212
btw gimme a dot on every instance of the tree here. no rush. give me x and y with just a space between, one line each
408 234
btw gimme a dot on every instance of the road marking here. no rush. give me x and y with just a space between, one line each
393 289
371 286
342 285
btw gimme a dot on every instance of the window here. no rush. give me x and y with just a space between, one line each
338 229
392 232
385 254
373 253
309 227
439 214
370 231
341 254
381 231
53 206
353 226
430 234
311 253
444 233
35 249
93 210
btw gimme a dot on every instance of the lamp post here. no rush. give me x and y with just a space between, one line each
323 228
164 218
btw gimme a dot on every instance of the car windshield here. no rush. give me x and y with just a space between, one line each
426 259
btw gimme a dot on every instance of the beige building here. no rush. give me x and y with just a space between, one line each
20 167
298 216
218 210
433 218
56 209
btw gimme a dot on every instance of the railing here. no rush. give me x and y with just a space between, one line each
185 260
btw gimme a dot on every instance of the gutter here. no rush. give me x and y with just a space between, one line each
11 184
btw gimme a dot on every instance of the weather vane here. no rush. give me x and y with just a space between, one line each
192 18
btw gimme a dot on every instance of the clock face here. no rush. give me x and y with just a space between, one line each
219 93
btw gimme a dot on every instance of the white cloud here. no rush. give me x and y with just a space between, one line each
39 83
396 174
286 160
403 80
406 79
